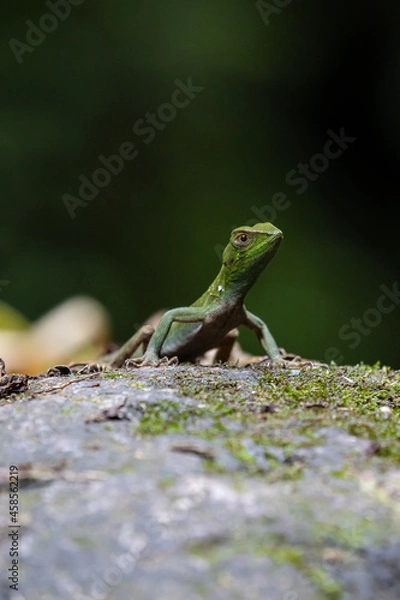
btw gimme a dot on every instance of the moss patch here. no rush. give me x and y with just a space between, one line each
283 409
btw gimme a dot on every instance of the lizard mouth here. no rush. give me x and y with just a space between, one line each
278 233
277 237
275 241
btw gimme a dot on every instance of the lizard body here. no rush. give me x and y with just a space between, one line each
189 332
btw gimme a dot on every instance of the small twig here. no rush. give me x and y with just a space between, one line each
193 449
51 474
64 385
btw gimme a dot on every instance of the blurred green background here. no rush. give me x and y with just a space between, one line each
150 238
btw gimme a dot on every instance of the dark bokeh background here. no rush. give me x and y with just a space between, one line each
271 93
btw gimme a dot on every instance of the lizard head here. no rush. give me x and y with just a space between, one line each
250 249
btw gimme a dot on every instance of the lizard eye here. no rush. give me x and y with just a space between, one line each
242 239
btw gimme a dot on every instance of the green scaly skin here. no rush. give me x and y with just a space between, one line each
188 332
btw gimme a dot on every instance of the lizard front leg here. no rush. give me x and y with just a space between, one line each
152 356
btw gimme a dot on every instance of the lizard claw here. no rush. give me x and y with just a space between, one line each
168 362
137 363
149 362
273 363
84 368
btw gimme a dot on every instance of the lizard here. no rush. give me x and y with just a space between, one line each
185 333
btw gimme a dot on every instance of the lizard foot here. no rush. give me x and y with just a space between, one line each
84 368
296 361
149 362
273 363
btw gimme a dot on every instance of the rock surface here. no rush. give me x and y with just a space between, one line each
193 483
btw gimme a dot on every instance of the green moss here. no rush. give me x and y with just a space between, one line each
164 417
84 542
328 586
303 402
237 450
286 554
112 375
165 482
280 552
124 375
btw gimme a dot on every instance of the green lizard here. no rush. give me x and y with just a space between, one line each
188 332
